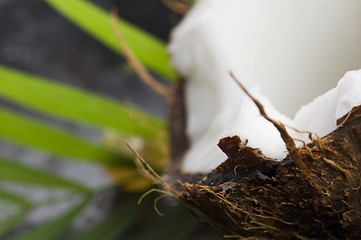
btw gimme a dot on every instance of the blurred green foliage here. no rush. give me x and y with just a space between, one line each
81 107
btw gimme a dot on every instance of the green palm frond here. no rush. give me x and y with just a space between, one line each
76 105
55 227
22 207
150 50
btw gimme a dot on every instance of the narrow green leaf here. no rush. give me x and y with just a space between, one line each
178 225
11 221
76 105
14 171
95 21
54 228
34 134
117 222
13 197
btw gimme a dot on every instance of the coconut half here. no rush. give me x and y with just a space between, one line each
286 52
255 174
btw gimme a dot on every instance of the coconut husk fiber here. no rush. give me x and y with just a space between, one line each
252 197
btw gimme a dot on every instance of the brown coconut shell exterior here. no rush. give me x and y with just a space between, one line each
252 197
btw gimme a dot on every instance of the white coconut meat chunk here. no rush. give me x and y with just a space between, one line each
320 116
293 50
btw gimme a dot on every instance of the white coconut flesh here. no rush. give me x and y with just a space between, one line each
286 52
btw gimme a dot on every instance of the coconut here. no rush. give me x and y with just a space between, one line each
304 47
241 161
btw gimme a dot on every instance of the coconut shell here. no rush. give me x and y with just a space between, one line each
250 196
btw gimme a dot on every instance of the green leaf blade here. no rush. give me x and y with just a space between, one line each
95 21
10 222
76 105
40 136
54 228
16 172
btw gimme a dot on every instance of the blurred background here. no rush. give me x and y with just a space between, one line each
44 192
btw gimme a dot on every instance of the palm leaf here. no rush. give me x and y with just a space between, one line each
56 141
77 105
54 228
24 208
95 21
14 171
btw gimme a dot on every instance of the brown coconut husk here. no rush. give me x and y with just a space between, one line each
250 196
314 193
